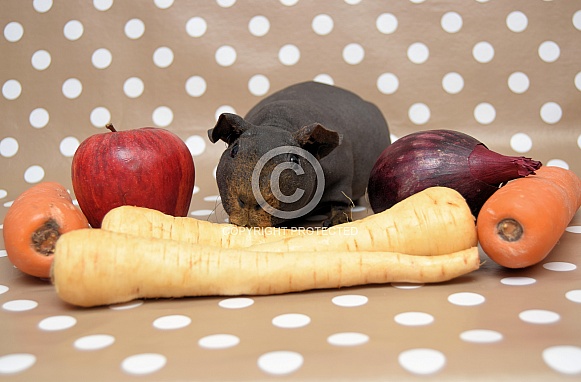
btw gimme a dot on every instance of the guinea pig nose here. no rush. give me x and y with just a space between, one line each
247 202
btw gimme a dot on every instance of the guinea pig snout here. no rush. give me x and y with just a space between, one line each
247 202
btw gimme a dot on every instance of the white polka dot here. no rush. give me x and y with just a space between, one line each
481 336
557 163
539 316
517 21
133 87
33 174
73 30
322 24
577 20
451 22
386 23
414 318
453 83
352 2
223 109
418 53
3 251
563 359
42 6
68 146
196 86
348 339
225 55
4 288
162 116
13 31
518 281
574 295
578 81
196 27
57 323
387 83
212 198
40 60
419 113
291 320
199 213
196 144
551 112
549 51
349 300
258 85
258 26
289 55
163 57
145 363
72 88
11 89
219 341
176 321
353 54
406 285
19 305
521 142
518 82
16 363
574 229
163 4
483 52
280 362
324 79
289 3
8 147
466 299
484 113
39 118
559 266
226 3
134 29
94 342
100 116
236 303
102 5
101 58
126 305
422 361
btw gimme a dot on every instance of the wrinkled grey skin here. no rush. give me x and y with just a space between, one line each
343 132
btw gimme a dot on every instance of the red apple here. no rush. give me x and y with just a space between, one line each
147 167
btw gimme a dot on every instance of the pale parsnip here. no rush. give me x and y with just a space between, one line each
432 222
96 267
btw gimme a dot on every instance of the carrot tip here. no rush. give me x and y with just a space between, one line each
509 230
45 237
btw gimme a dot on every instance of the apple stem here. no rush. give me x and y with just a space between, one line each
111 127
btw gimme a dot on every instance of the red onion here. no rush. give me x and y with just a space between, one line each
442 158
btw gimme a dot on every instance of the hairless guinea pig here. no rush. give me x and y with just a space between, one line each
309 145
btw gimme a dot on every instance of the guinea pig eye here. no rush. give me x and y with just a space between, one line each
293 158
234 150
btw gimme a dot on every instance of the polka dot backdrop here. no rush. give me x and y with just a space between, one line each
506 73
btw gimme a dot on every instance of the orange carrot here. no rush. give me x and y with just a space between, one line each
33 224
97 267
521 222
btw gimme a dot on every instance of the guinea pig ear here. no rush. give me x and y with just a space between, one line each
228 128
317 139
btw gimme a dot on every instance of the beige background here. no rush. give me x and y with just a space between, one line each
523 99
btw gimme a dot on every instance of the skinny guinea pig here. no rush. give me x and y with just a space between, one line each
343 134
